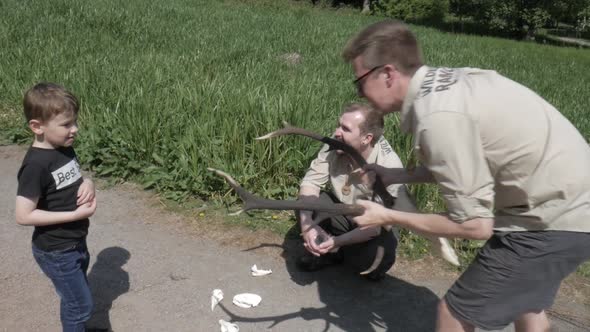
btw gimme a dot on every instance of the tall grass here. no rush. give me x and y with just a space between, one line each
182 85
169 88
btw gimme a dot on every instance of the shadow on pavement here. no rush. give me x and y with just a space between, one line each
353 303
107 281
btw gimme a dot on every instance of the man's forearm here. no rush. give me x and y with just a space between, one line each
305 220
306 217
441 226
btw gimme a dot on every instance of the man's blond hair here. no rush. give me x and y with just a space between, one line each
373 122
386 42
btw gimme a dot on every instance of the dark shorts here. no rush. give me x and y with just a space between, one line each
516 273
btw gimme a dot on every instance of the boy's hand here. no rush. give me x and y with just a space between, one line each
86 192
86 210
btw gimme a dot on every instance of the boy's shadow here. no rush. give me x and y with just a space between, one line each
107 281
353 303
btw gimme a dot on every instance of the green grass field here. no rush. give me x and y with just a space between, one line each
169 88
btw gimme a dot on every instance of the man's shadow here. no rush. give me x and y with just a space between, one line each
107 281
354 303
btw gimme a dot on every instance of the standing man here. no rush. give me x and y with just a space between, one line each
512 170
338 238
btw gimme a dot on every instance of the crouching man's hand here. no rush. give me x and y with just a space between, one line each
312 238
329 245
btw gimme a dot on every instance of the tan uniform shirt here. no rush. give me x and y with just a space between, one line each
498 150
335 168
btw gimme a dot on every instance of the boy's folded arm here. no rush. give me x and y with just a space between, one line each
27 214
86 192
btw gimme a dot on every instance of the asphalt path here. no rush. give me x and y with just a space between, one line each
152 270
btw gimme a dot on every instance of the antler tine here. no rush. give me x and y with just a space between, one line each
279 132
290 130
244 195
236 213
378 258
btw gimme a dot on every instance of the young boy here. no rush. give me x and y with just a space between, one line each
53 197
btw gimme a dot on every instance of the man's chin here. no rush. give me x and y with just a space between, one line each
387 110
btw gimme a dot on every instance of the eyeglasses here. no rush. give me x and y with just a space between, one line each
359 81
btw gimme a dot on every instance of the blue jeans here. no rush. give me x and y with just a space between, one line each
67 270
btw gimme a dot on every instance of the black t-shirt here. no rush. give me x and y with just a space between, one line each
54 177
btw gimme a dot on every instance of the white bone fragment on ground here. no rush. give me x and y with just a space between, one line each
227 326
445 250
259 272
216 297
247 300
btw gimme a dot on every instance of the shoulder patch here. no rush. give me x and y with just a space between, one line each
385 147
437 80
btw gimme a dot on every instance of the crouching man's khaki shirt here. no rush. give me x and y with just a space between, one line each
336 168
498 150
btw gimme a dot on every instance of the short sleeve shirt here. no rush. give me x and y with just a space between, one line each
331 167
53 176
498 150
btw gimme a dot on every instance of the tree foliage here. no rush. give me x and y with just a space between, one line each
520 18
414 10
513 18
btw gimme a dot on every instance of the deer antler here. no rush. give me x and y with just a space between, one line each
253 202
333 143
378 187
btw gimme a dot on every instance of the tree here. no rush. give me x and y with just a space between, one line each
583 22
519 18
566 11
366 7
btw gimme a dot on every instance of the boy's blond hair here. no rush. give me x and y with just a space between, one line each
386 42
46 100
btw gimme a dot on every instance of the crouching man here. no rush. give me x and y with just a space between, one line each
338 239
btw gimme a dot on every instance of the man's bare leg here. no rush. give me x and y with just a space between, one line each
446 322
532 322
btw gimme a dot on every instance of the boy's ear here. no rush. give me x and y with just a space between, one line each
35 126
